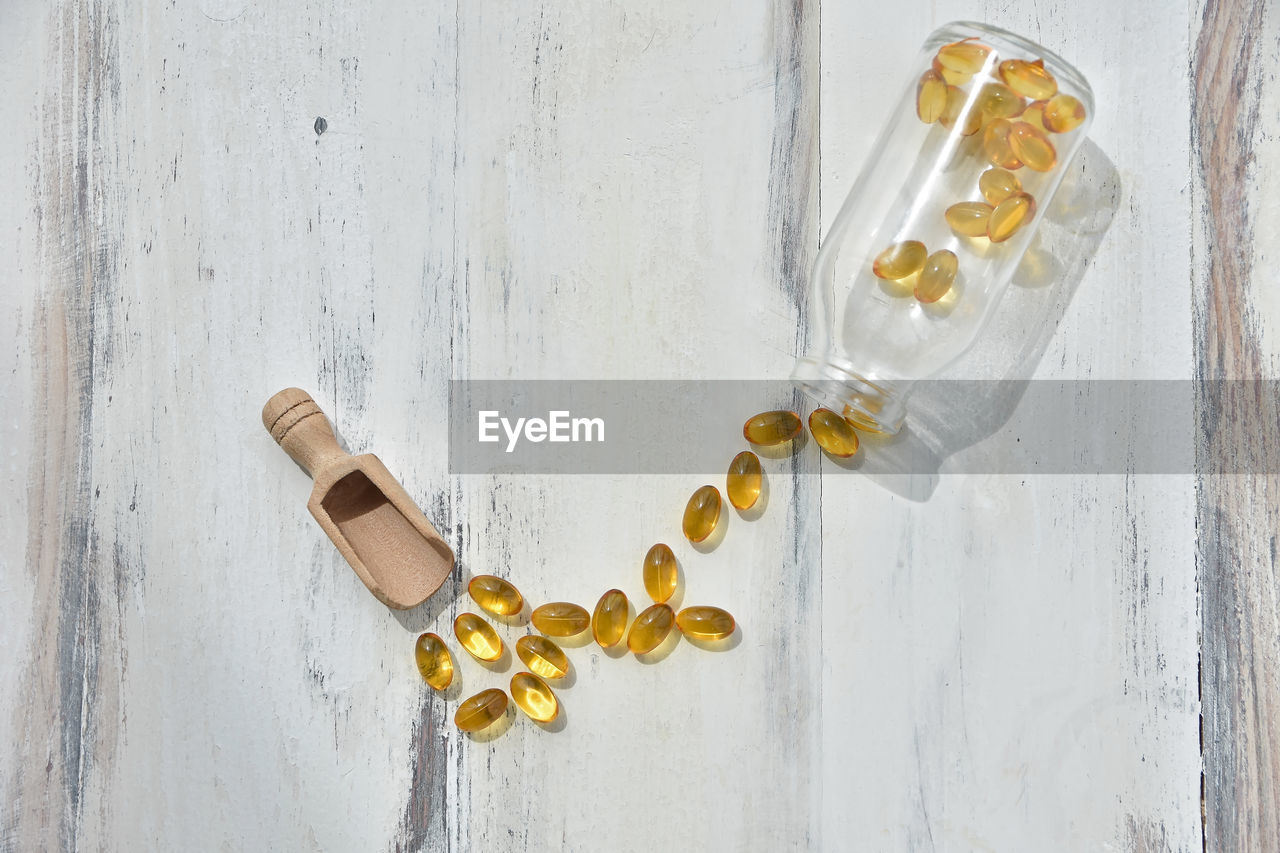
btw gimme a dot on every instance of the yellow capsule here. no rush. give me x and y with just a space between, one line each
609 622
966 57
931 97
897 262
995 143
561 619
542 656
953 78
650 629
1032 147
744 480
997 100
481 710
970 122
1010 215
937 277
434 661
701 514
705 623
660 572
833 433
534 697
495 595
477 637
1029 78
769 428
1034 115
998 184
968 218
1063 114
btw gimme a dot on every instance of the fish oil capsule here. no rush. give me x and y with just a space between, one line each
1010 215
998 184
701 514
968 218
965 57
534 697
542 656
650 629
833 433
1031 79
705 623
477 637
744 480
995 144
660 573
609 621
997 100
1063 114
970 122
561 619
899 261
931 97
495 595
481 710
434 661
938 275
1032 147
769 428
1034 115
953 78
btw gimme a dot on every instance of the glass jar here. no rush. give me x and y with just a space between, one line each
939 217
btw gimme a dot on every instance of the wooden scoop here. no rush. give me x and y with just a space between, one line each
367 514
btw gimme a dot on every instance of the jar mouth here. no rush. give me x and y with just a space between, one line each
871 405
1061 67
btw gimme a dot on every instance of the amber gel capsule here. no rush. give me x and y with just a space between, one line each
744 480
898 261
964 57
995 144
660 573
1032 147
434 661
833 433
481 710
495 595
1010 215
997 184
931 97
1031 79
1063 114
705 623
938 275
534 697
953 78
477 637
954 112
609 622
999 101
650 629
701 514
769 428
1034 115
969 218
542 656
561 619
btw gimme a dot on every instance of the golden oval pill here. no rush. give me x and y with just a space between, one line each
931 97
995 144
705 623
1031 79
899 261
561 619
477 637
968 218
650 629
769 428
744 480
1010 215
953 78
495 595
701 514
542 656
938 275
481 710
609 621
1032 147
434 661
1034 115
1063 114
660 572
965 57
833 433
997 184
969 121
997 100
534 697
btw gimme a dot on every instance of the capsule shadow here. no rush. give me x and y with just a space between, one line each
577 641
785 449
730 642
712 542
515 620
497 728
501 664
558 724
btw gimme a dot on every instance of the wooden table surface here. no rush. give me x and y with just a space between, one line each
601 190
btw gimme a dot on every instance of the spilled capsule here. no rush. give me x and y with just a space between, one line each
542 656
477 637
534 697
968 218
609 621
833 433
481 710
660 573
770 428
744 480
434 661
705 623
561 619
650 628
938 275
495 595
701 514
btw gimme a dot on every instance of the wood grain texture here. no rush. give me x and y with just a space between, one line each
1238 513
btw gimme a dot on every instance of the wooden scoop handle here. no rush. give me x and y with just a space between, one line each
301 428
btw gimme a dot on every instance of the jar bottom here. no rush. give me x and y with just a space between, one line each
871 406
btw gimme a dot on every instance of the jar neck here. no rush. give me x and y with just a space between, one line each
871 404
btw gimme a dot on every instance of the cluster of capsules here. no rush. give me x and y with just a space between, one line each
1017 110
546 660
